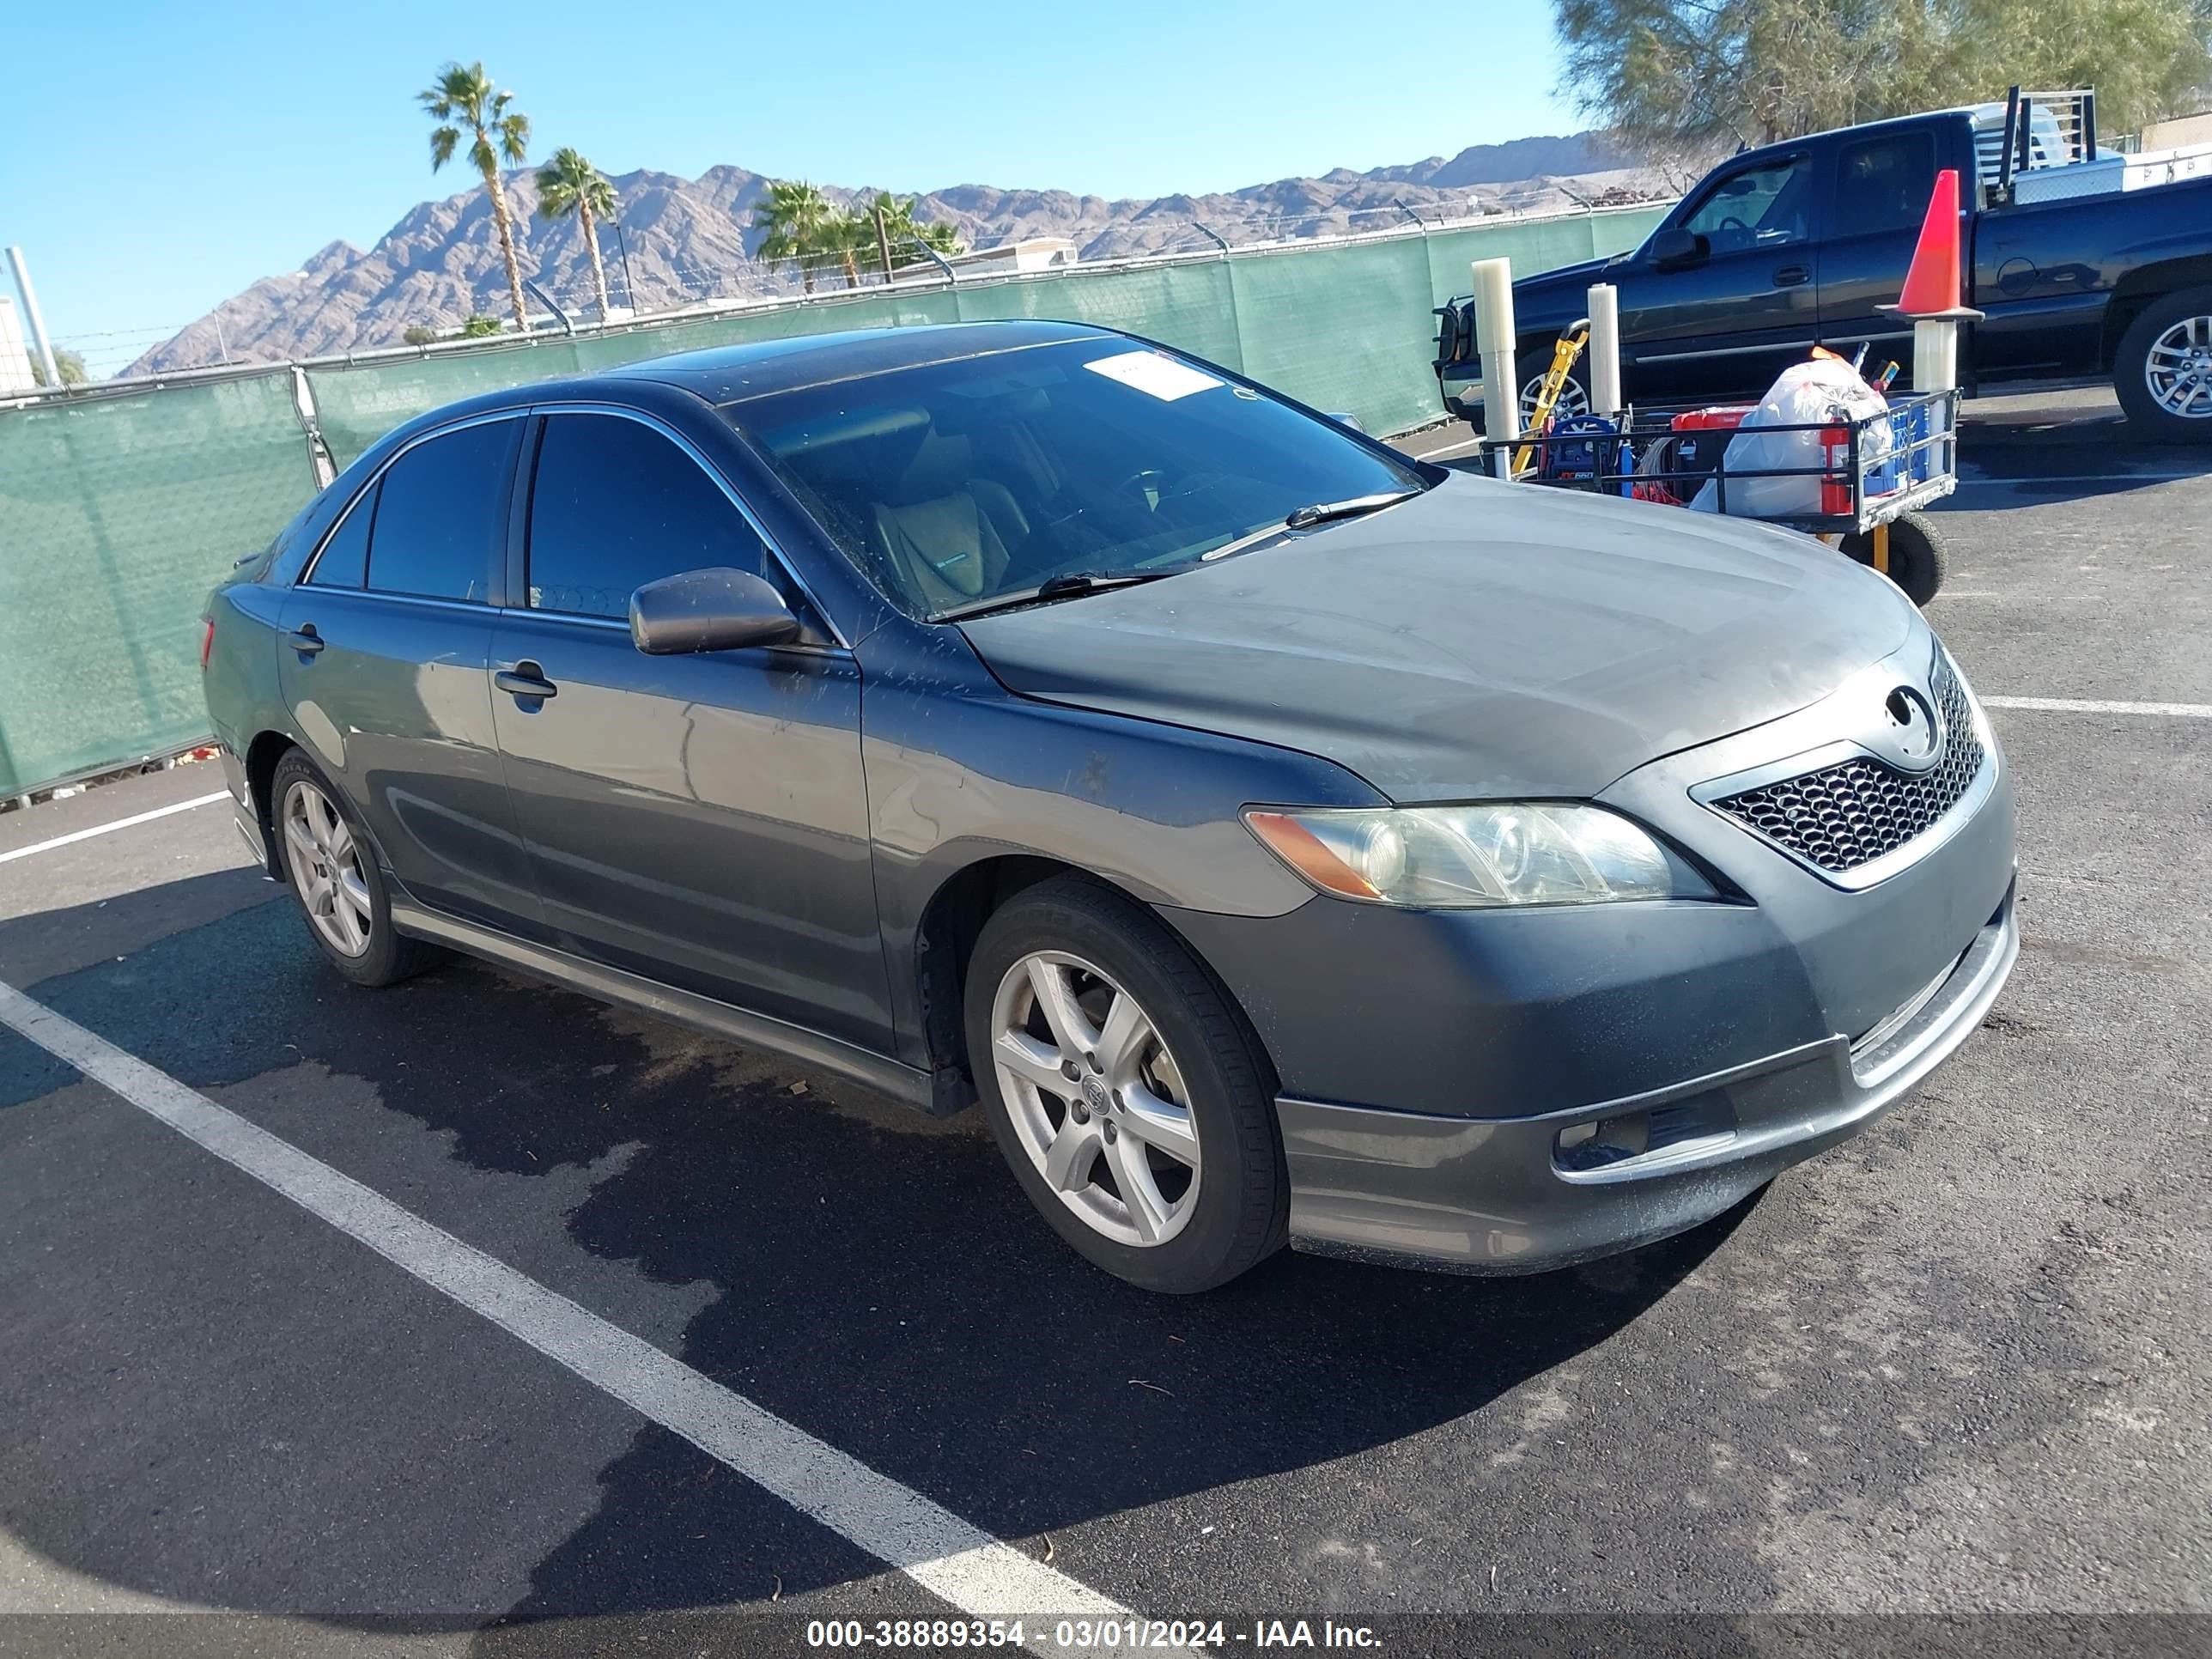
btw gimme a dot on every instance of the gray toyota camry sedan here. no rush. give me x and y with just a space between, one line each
1282 840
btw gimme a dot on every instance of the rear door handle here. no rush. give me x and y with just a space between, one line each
525 679
306 640
1790 276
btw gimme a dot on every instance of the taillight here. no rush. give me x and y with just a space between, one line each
207 642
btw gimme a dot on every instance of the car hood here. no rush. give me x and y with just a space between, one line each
1484 641
1564 276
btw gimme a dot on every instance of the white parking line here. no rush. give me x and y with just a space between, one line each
120 823
2196 711
953 1560
1967 481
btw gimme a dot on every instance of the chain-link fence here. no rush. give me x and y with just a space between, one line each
121 507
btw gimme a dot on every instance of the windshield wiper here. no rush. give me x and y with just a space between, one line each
1352 508
1305 518
1066 585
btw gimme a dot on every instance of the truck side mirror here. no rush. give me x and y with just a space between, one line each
1676 249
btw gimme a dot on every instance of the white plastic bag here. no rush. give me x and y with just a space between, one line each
1804 394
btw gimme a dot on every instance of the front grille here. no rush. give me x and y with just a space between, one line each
1854 813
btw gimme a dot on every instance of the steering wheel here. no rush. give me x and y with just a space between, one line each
1733 224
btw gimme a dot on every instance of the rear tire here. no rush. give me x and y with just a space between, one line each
324 850
1201 1075
1917 560
2162 370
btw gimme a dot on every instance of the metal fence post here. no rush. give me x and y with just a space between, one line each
318 453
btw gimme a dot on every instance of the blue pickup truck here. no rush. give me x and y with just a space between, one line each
2086 261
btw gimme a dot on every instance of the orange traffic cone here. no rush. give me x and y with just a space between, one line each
1933 286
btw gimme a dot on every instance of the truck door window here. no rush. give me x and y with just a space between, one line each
1883 184
1759 207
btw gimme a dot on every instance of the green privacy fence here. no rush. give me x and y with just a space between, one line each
118 511
116 515
1341 326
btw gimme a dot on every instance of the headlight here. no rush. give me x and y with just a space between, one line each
1455 857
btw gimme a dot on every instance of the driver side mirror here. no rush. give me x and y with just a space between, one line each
1676 248
709 611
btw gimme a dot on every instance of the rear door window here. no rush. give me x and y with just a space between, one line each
1883 184
344 559
442 514
615 505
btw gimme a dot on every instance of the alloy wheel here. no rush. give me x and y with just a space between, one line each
324 861
2178 368
1096 1099
1571 401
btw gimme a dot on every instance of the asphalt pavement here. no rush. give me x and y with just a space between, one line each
1957 1367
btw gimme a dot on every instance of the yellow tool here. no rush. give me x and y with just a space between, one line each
1568 348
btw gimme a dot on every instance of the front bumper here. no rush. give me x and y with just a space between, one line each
1461 385
1501 1196
1430 1060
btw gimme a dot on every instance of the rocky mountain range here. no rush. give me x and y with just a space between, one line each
689 241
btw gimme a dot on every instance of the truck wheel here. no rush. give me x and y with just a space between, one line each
1574 392
1916 559
2163 369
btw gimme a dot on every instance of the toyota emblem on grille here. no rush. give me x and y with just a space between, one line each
1911 733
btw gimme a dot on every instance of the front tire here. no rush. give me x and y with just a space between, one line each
1124 1089
1574 391
330 863
2162 370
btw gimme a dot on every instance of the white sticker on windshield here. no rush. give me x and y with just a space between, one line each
1149 372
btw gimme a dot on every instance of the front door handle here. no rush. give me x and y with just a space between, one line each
1790 276
306 640
525 679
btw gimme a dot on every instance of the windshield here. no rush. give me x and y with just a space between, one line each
953 484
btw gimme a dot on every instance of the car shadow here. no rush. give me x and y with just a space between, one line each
871 1275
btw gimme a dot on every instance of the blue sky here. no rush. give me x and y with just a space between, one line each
159 157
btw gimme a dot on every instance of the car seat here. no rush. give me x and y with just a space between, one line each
948 531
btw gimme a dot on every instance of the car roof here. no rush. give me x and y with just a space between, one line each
733 373
723 374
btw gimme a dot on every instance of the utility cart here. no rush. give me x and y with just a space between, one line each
1858 484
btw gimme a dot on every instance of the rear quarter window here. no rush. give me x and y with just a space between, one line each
344 561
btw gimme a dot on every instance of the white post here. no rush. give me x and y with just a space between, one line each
31 316
1935 368
1494 337
1605 348
1934 354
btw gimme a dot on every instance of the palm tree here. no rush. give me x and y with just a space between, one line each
570 185
798 224
464 101
901 228
849 236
